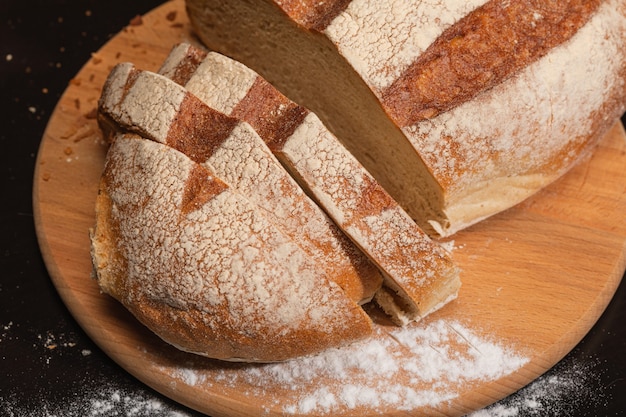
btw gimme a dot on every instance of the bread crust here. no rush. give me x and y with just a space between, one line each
478 52
210 271
203 269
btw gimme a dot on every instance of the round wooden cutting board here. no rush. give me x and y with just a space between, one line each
535 280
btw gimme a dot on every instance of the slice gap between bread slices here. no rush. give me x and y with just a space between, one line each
419 274
234 151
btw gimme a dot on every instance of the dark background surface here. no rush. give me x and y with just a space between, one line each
48 366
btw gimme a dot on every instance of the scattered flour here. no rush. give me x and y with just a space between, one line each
86 397
5 330
402 369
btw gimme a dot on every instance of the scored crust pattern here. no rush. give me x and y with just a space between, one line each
227 162
234 151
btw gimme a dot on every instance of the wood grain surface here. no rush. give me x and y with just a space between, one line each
535 278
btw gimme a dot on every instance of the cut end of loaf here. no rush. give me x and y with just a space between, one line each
400 311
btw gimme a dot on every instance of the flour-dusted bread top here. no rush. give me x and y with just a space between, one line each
422 58
529 129
201 266
158 108
417 270
459 109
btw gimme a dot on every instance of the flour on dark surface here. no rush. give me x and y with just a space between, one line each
60 397
565 390
95 401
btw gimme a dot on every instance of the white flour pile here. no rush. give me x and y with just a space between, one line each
403 369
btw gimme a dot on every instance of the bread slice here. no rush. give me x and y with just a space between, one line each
420 276
201 266
458 109
157 108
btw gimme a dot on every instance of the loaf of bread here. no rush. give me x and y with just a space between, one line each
420 276
201 266
459 109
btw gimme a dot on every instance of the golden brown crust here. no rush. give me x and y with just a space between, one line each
274 118
198 191
313 14
416 269
259 108
183 67
193 57
197 130
197 262
525 105
478 52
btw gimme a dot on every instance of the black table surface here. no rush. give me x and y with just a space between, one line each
48 366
